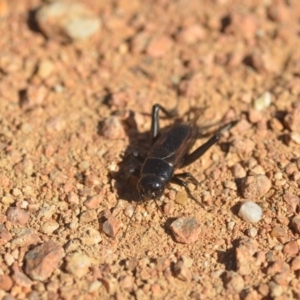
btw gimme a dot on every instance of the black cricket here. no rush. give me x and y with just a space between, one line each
170 151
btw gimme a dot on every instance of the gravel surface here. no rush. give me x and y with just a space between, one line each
77 84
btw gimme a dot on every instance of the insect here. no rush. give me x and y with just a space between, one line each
169 152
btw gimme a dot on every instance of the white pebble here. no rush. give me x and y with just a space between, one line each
230 225
295 136
49 227
278 175
262 102
252 232
24 204
129 211
250 212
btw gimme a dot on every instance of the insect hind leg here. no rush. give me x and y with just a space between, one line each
190 158
155 119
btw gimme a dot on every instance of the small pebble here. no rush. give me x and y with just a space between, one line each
276 125
88 216
278 176
275 289
252 232
292 201
295 137
159 46
112 128
9 259
17 215
34 96
78 264
249 245
94 286
238 171
252 163
231 225
129 211
46 211
262 102
67 21
206 197
295 265
5 235
93 202
278 266
230 185
250 212
296 224
182 272
25 237
6 283
43 260
111 226
21 279
192 34
263 289
73 198
243 147
181 198
185 230
90 237
291 249
292 120
83 165
278 232
187 261
258 170
245 261
139 42
255 116
234 282
156 290
291 168
49 227
279 12
7 200
255 186
45 68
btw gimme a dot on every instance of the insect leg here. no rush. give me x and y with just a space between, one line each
132 171
155 119
180 182
190 158
131 168
189 176
140 158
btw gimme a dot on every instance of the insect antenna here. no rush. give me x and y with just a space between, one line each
133 213
158 207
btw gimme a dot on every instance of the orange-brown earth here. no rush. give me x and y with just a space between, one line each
76 92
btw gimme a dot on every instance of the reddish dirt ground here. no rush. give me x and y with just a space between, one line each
72 109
